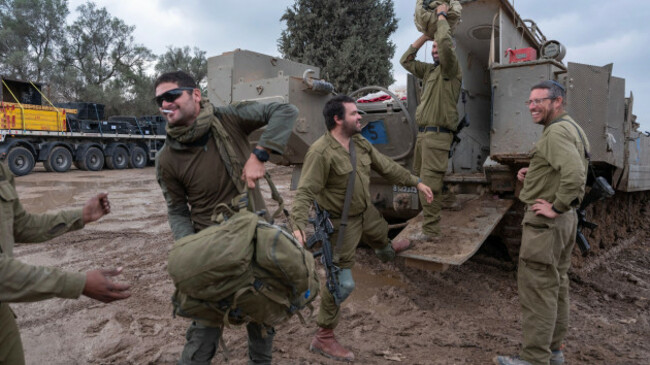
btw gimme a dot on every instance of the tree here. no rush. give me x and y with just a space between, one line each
30 34
177 58
348 40
101 49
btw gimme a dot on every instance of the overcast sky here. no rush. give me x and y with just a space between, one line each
594 32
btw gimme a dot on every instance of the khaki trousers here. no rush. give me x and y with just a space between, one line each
11 347
430 164
544 260
369 227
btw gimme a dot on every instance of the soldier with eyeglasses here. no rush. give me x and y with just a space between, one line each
554 185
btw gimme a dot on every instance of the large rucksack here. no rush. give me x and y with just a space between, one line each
242 270
426 20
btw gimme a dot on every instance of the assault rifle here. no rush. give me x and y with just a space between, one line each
464 122
600 190
323 228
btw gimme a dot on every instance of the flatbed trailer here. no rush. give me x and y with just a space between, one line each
58 151
31 133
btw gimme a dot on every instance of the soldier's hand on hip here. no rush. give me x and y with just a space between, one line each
96 207
99 287
253 170
545 208
426 191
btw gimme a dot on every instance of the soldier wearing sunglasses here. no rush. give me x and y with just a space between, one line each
196 174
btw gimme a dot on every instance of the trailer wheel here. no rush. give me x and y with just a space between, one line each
59 160
138 158
119 160
92 160
20 160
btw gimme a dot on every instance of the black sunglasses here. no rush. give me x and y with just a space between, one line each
171 95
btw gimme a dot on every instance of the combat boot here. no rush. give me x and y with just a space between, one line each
325 343
557 357
509 360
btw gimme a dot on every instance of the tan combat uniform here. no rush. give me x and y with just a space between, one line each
20 282
438 108
324 178
194 179
557 174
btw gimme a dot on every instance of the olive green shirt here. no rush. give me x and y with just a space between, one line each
325 174
558 167
193 178
20 282
441 82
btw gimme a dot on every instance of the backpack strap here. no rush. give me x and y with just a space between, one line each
234 166
584 145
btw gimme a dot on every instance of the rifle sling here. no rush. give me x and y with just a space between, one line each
584 146
348 196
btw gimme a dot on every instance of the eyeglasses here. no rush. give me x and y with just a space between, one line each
171 95
536 101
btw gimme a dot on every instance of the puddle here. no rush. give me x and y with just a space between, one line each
368 284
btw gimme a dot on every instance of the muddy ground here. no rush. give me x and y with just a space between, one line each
465 315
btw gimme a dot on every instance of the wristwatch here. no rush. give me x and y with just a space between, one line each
261 154
443 14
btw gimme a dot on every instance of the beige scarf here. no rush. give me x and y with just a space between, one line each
198 129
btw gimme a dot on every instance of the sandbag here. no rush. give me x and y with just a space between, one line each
242 270
426 20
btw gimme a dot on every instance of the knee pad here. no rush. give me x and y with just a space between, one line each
346 283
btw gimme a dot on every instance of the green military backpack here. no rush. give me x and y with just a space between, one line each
242 270
426 20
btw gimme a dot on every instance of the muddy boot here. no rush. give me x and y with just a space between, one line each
557 357
325 343
449 202
509 360
400 245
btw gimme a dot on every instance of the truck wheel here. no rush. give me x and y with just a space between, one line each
138 158
119 160
20 160
59 160
92 160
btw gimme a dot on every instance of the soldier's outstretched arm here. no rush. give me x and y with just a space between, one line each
446 52
100 287
408 61
96 207
426 190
